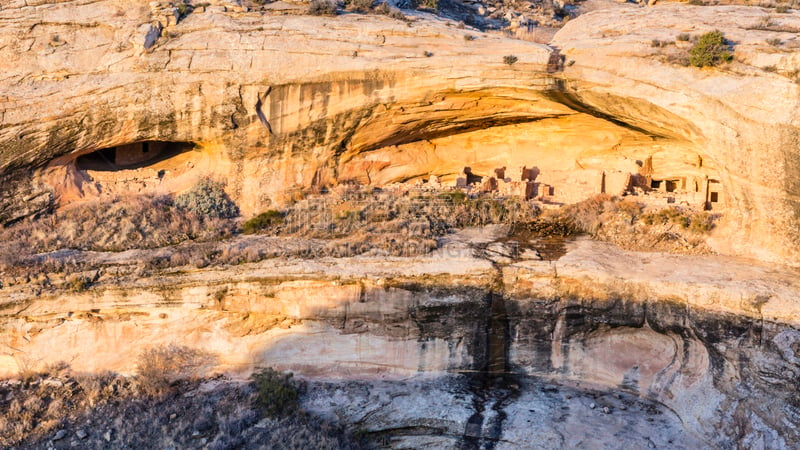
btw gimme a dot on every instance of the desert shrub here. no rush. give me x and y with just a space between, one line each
775 42
359 5
629 207
454 196
697 2
385 223
585 216
183 9
782 9
322 8
116 225
660 44
112 414
683 37
13 253
701 223
510 59
710 50
208 198
159 367
765 23
44 400
387 10
485 211
696 222
79 284
680 58
262 221
432 5
277 393
667 215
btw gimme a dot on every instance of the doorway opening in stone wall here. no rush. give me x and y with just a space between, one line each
714 199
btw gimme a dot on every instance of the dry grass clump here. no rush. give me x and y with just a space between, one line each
123 224
375 222
387 10
107 410
584 216
159 367
40 402
624 223
346 222
697 222
775 42
323 8
369 7
358 5
660 44
262 221
590 215
36 246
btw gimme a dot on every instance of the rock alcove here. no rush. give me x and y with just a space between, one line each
131 156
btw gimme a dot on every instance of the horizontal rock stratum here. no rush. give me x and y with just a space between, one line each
281 103
476 341
714 339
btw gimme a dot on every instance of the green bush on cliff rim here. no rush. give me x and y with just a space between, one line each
710 50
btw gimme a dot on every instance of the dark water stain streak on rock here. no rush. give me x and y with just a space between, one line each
492 384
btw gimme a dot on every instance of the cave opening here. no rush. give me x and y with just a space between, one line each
131 156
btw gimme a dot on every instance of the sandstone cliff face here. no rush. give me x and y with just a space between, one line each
274 104
278 104
705 345
276 97
742 119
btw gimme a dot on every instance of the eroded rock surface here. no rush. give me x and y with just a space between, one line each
741 119
275 104
473 333
699 344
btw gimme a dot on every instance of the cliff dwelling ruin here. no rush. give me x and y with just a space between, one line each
131 156
572 173
393 206
560 187
146 167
